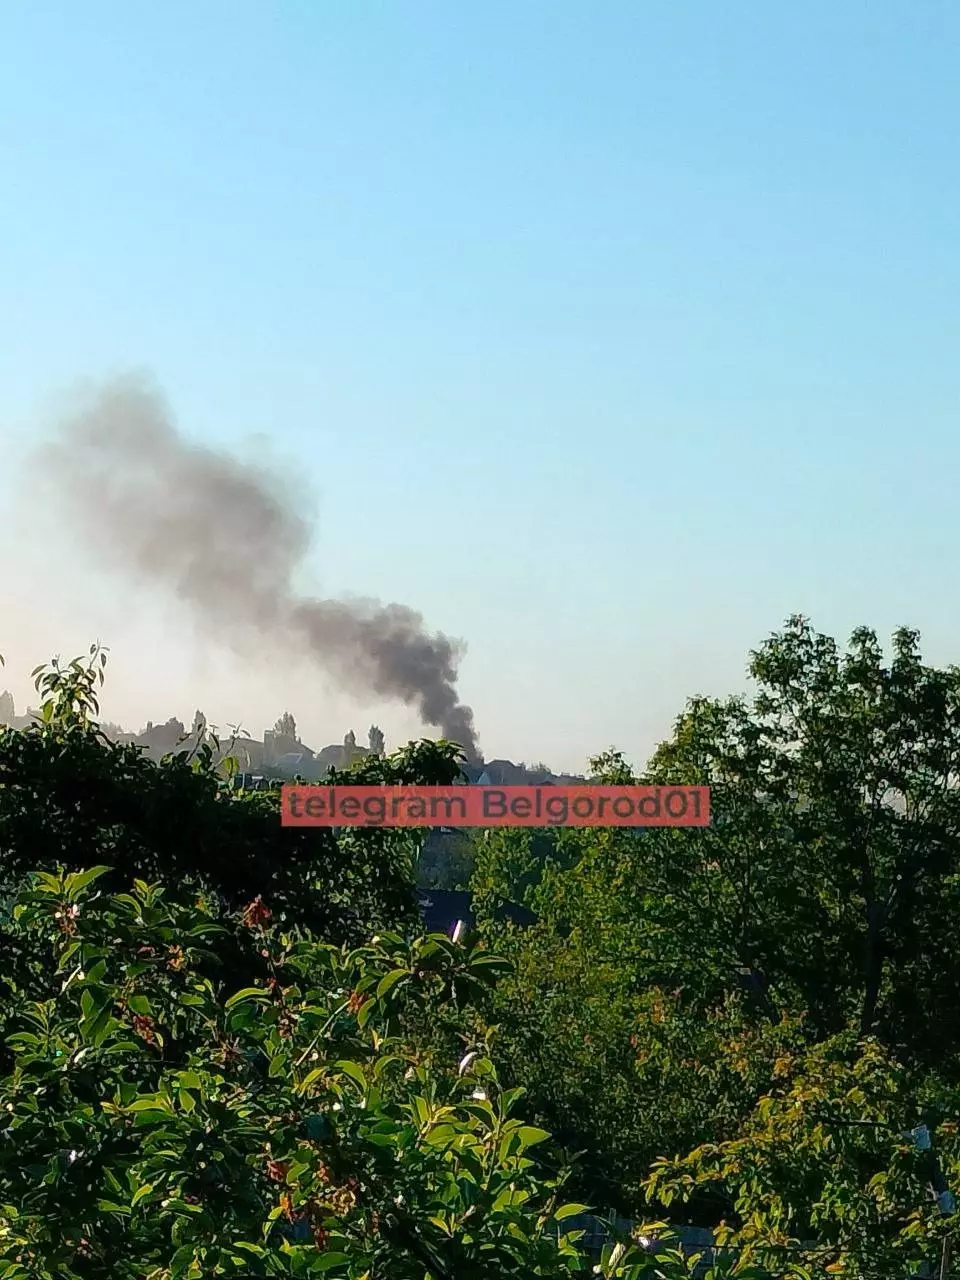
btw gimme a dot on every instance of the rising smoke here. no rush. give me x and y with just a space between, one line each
226 538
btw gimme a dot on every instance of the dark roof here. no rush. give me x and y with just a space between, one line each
442 908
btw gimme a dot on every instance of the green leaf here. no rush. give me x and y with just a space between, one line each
355 1073
110 1207
390 981
327 1261
80 880
365 1012
248 993
23 1039
47 883
492 965
570 1211
182 1260
529 1136
310 1078
97 1021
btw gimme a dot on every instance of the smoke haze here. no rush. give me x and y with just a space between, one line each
226 538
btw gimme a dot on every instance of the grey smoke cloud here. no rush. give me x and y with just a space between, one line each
227 538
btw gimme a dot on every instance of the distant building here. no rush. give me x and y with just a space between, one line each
282 754
291 760
249 751
8 713
277 744
342 756
504 773
163 739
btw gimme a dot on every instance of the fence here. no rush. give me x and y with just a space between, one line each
598 1231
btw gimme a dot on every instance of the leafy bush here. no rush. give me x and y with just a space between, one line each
159 1126
825 1169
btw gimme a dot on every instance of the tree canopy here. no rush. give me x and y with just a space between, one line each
227 1050
673 973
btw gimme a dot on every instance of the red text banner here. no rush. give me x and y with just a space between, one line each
469 806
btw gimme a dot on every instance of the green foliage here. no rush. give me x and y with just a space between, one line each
673 969
158 1125
838 819
68 794
623 1073
447 859
824 1170
733 1025
163 1120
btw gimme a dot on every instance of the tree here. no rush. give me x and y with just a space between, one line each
736 1024
286 727
187 1130
822 898
825 1171
177 820
447 859
621 1070
603 1021
833 865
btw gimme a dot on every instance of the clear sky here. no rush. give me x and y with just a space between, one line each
607 334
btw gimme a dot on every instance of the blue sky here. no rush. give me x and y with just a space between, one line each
605 334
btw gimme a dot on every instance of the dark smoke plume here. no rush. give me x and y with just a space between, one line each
226 539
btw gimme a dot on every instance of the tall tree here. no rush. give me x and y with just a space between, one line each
286 727
822 899
833 861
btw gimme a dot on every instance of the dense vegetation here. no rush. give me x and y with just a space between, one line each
227 1051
